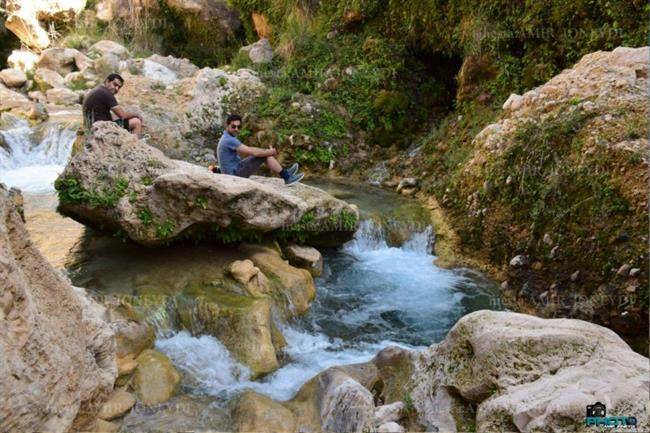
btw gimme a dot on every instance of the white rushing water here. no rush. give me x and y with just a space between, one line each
33 156
400 281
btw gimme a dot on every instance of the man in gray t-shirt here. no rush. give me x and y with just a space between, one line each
230 150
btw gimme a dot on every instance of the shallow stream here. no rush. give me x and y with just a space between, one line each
380 289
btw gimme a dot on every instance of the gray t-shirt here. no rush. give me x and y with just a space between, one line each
227 153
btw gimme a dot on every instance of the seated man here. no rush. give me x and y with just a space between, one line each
100 101
230 149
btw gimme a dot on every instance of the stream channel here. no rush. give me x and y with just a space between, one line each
380 289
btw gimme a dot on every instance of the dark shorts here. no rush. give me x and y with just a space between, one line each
248 166
124 123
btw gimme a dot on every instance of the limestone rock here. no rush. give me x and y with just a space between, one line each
62 96
156 379
349 407
126 365
13 77
250 276
18 104
48 79
388 413
253 412
24 18
117 405
22 60
527 373
183 413
305 257
297 284
132 336
154 199
102 426
108 10
57 357
336 400
106 47
182 67
519 261
391 427
184 113
60 60
624 270
260 51
244 326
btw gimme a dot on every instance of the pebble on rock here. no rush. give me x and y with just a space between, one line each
624 270
391 427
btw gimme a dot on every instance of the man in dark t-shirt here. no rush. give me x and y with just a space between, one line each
100 101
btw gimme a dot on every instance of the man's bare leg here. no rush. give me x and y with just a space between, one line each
135 126
273 164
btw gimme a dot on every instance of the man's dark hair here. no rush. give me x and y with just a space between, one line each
111 77
232 117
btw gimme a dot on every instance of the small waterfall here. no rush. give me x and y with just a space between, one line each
32 157
373 235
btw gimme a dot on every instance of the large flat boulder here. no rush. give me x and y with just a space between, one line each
121 185
524 373
57 353
493 372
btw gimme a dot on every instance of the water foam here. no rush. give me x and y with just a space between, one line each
384 296
33 164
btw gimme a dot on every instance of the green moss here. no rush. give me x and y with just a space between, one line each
186 34
233 234
201 202
145 216
164 230
70 191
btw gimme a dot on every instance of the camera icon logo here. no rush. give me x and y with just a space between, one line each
596 410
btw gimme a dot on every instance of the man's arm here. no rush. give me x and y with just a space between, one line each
123 114
244 150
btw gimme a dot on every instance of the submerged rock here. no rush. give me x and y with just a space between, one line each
156 379
253 412
119 184
57 354
181 413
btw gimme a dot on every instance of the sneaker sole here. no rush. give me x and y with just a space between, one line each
293 182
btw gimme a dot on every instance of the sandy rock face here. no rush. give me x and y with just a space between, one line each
13 77
57 354
597 83
120 183
184 109
16 103
525 373
25 17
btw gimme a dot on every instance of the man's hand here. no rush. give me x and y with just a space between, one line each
273 151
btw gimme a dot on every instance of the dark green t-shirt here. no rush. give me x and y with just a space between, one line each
97 105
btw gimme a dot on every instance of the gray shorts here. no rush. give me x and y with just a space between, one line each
248 166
